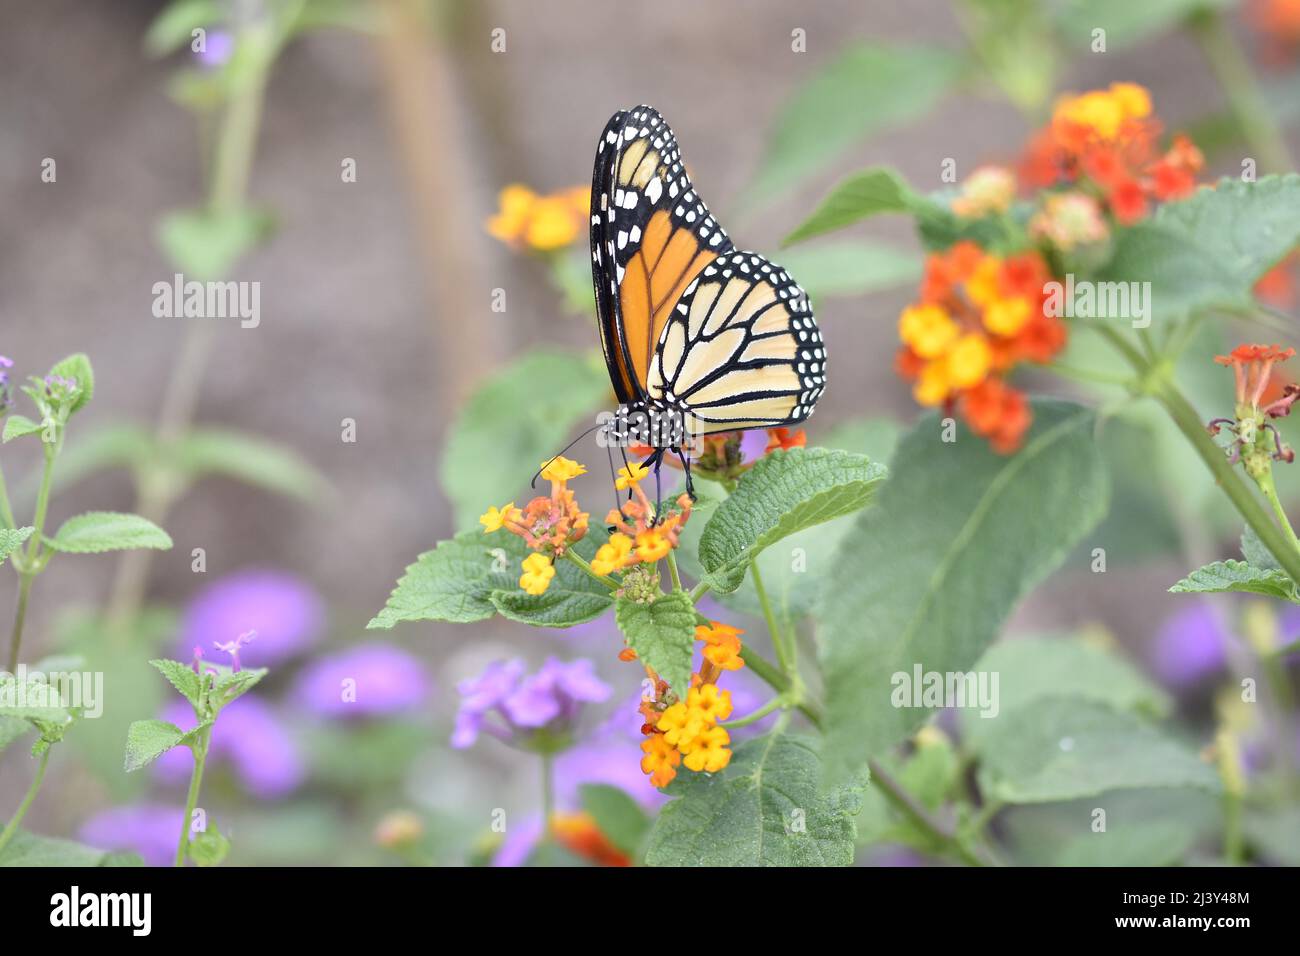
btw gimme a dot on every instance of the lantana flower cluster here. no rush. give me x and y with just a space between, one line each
549 524
1256 441
543 223
982 312
685 731
978 317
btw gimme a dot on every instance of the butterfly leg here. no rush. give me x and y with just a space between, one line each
686 467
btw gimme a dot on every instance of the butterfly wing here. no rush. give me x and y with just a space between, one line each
651 236
741 349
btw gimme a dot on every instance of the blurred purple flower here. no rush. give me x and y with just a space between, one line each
373 680
550 701
249 737
520 839
6 399
151 829
1190 646
218 45
753 444
282 609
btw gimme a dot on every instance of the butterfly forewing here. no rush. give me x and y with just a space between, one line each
651 235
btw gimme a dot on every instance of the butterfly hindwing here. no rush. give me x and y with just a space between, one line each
651 235
741 349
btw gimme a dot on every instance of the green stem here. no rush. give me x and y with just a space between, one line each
23 807
6 511
582 563
779 701
672 572
192 798
1269 489
1230 66
30 565
786 653
548 793
699 591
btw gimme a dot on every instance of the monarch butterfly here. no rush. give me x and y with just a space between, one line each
699 337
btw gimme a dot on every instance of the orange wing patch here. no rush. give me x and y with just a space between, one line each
668 260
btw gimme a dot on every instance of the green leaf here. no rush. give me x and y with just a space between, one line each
250 459
1126 23
663 635
208 847
764 809
848 267
30 699
147 740
1232 575
172 29
77 367
30 850
182 677
887 84
1014 42
619 817
1029 669
869 193
97 531
1057 749
572 598
1209 249
204 245
230 684
785 492
955 538
517 419
11 539
455 581
1255 551
16 426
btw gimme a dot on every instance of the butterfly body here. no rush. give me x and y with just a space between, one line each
696 333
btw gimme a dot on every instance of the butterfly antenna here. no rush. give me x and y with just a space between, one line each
537 474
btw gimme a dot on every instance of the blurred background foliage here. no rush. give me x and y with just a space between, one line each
458 363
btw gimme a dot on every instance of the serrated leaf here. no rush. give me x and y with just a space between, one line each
573 597
230 684
11 539
182 677
785 492
147 740
208 847
250 459
455 581
513 422
1255 551
1209 249
957 535
1065 668
1055 749
97 531
1233 575
33 700
764 809
888 84
663 635
617 815
76 367
16 426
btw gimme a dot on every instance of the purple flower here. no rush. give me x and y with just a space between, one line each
217 47
753 444
151 829
232 648
373 680
1190 647
282 609
249 737
519 709
520 839
6 399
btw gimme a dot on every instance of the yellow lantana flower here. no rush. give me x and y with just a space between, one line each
932 385
560 468
709 751
652 545
1006 316
660 761
709 703
538 571
928 329
612 556
969 361
629 475
495 518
